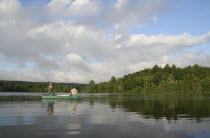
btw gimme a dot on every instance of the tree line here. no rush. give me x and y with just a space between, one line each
23 86
195 79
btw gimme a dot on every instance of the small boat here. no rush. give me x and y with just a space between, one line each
63 97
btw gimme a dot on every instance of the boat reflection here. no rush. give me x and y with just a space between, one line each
51 109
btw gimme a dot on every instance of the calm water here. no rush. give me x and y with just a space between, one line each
107 116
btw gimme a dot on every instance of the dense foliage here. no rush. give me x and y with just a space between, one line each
157 80
21 86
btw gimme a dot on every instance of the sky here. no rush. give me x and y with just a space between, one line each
76 41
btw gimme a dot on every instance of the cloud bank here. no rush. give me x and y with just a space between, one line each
81 40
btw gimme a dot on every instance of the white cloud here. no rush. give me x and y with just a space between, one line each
59 3
78 46
9 6
23 75
74 8
85 7
167 42
127 14
74 58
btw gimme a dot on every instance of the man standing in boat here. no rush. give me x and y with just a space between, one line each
50 89
73 91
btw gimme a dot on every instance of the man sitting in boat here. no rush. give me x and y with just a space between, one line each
50 89
73 91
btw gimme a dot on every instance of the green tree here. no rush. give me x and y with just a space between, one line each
91 86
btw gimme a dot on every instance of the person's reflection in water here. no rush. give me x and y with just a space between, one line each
74 106
50 107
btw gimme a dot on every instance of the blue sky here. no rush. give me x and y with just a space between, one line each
32 2
187 16
80 40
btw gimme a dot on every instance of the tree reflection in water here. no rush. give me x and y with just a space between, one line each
172 107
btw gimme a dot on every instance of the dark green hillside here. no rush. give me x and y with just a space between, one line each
23 86
195 79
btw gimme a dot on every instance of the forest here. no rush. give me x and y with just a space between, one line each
167 79
23 86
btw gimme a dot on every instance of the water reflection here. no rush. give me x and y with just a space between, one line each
50 107
173 107
73 129
73 105
108 116
64 115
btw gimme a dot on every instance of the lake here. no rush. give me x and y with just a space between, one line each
104 115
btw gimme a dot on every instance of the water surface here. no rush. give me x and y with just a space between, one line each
108 116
